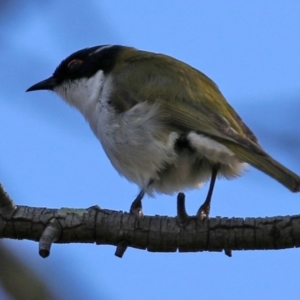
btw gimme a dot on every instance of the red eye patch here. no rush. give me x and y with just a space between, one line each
74 63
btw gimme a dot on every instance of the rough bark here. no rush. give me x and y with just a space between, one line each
156 234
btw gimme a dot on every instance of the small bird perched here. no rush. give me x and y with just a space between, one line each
163 124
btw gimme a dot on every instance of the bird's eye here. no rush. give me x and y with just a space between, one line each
74 64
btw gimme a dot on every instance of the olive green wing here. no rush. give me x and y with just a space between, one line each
194 100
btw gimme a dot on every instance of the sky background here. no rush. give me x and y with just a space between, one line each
50 158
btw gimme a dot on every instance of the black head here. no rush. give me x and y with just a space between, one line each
81 64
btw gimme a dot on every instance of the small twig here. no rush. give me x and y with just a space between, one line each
121 248
51 234
7 206
228 252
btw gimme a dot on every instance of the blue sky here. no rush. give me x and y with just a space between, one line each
50 157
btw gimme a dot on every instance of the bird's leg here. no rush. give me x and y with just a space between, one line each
136 206
204 209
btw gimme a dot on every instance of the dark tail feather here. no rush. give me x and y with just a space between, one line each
268 165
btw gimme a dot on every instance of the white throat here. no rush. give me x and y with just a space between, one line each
83 93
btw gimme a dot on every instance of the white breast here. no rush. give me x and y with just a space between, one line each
130 140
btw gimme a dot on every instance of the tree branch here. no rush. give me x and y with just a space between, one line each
156 234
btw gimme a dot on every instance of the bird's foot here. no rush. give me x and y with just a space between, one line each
136 209
203 212
136 206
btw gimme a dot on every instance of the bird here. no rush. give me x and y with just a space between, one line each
164 125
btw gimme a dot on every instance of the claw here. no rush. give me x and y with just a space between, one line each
137 211
203 212
136 206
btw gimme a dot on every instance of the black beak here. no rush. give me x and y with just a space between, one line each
47 84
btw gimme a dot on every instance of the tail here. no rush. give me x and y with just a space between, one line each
268 165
